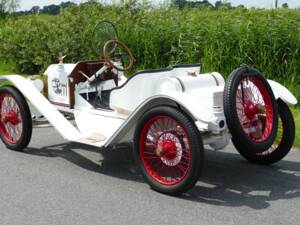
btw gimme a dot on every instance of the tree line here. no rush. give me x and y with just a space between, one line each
48 9
11 6
218 4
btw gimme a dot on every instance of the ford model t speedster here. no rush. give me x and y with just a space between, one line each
169 114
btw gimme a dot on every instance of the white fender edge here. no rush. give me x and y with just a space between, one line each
283 93
55 118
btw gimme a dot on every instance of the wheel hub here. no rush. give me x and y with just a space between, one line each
251 109
256 129
168 150
11 117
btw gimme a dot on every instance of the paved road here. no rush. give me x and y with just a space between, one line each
56 182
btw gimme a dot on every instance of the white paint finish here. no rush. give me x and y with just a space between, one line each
183 71
195 83
220 78
207 122
145 87
89 123
169 85
82 104
37 83
283 93
208 97
189 101
58 74
137 90
56 119
65 68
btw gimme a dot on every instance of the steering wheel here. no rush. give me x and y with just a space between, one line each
115 51
103 31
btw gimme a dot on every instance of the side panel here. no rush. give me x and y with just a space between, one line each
57 120
283 93
185 101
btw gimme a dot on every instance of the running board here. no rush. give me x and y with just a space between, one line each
55 118
42 122
95 139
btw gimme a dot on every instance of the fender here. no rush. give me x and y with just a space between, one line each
283 93
55 118
184 101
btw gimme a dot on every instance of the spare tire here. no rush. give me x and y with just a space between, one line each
251 110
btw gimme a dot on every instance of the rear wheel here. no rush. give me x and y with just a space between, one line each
168 150
251 110
284 139
15 121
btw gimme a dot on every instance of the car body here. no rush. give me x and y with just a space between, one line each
199 95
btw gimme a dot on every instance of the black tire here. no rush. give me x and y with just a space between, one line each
15 121
174 162
260 119
284 140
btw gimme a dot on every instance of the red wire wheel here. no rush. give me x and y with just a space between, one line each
169 150
251 110
254 108
15 119
284 139
165 150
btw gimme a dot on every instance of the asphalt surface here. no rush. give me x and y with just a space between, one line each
55 182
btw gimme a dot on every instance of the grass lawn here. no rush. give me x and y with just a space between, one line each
9 69
6 68
296 113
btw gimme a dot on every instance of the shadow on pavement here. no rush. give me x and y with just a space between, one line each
113 162
227 180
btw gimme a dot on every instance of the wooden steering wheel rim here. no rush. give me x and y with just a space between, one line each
107 57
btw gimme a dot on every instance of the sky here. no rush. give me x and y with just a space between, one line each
27 4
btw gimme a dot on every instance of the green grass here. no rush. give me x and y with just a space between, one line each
296 113
7 68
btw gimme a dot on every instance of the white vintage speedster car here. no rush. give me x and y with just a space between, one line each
169 114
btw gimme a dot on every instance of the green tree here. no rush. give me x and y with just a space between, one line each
51 9
285 6
67 4
179 3
223 4
35 9
204 3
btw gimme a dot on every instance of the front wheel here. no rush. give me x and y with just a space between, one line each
168 150
284 139
15 119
